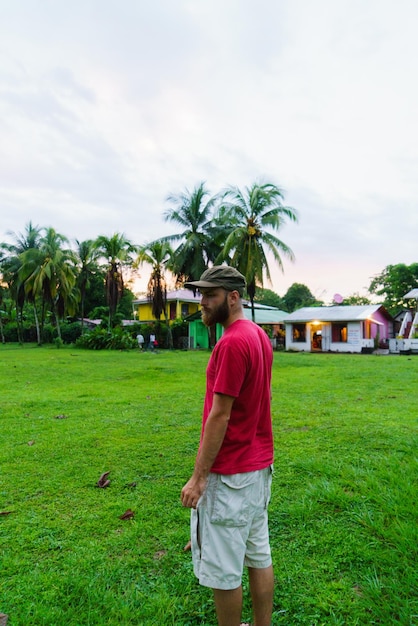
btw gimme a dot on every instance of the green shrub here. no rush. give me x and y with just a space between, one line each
102 339
48 334
10 332
70 331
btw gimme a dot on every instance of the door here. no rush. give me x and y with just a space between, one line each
316 337
326 337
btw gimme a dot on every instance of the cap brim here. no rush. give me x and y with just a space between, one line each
201 283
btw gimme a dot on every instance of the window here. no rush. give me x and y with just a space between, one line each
339 332
299 333
184 310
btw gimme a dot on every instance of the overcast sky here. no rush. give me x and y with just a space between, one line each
109 106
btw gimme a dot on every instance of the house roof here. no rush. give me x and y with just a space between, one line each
185 295
336 313
263 314
412 294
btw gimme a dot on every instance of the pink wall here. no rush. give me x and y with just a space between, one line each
385 330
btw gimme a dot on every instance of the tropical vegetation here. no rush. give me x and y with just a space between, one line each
200 240
117 250
251 215
393 283
48 283
157 254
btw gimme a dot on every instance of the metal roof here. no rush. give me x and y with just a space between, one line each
185 295
412 294
335 313
267 315
263 315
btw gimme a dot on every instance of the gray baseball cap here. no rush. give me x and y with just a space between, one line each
220 276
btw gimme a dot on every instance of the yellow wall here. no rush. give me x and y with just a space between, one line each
143 310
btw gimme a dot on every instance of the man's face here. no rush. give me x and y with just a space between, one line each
215 306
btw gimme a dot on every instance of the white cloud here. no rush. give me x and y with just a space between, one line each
107 107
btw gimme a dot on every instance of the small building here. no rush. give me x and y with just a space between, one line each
268 317
405 338
338 328
180 304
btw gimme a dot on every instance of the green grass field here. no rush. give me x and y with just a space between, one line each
343 516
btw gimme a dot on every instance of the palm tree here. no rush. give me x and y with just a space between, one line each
50 273
117 250
250 214
157 254
1 313
10 274
24 241
11 265
87 257
193 211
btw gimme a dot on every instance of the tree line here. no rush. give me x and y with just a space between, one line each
46 277
44 273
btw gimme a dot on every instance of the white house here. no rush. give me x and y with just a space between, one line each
338 328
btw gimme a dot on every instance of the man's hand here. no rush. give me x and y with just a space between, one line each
192 491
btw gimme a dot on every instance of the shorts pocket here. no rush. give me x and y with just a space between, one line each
267 486
195 533
232 499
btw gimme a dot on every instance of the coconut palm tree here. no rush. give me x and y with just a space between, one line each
24 241
11 265
87 257
250 214
118 251
1 313
157 254
193 212
50 273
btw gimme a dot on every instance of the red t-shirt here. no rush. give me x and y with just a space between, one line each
240 366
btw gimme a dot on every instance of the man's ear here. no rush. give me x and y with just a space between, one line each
233 297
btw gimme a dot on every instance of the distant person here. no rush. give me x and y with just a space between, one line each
152 342
140 340
229 489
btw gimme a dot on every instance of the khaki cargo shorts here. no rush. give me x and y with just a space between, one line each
229 528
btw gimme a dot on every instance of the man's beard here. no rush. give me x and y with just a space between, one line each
219 315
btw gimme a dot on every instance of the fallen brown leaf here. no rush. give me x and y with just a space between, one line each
127 515
31 443
103 481
3 619
5 513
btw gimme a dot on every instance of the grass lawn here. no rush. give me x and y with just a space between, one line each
343 516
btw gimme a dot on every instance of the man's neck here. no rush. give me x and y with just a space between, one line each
238 315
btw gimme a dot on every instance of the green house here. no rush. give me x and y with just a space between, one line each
268 317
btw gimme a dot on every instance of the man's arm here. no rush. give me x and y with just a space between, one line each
213 436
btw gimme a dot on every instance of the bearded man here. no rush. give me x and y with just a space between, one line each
229 490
